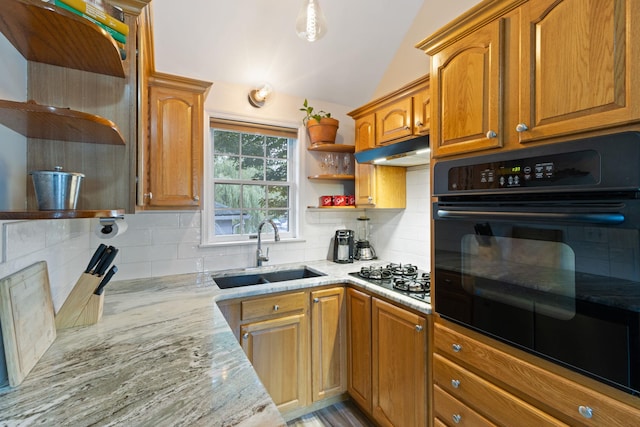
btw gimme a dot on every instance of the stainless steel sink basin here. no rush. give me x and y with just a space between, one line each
250 279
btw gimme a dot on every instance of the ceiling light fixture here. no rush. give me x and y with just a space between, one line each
258 97
311 24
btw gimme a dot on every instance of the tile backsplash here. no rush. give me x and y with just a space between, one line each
164 243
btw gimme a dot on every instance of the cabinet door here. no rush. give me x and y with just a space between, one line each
582 68
359 348
399 366
365 184
366 132
276 349
328 343
466 94
175 148
422 112
394 121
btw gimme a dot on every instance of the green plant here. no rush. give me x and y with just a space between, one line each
310 113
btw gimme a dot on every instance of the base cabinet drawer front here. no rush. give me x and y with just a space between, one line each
573 403
451 412
500 406
274 305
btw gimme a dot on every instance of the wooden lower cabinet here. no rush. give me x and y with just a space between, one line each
328 344
359 348
399 363
387 360
509 387
276 349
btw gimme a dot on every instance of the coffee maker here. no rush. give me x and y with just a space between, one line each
343 246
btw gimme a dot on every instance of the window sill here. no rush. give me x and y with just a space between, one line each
252 242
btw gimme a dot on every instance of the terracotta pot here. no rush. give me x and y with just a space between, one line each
323 131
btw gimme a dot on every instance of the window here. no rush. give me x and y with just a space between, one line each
252 172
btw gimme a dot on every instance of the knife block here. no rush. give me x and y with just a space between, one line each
82 307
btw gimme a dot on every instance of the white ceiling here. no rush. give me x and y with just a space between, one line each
251 41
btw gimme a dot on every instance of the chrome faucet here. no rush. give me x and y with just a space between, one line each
259 256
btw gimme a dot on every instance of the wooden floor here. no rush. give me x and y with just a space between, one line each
342 414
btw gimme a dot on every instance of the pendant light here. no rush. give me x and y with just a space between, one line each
311 24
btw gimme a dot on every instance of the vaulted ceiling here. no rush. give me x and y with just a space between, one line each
252 41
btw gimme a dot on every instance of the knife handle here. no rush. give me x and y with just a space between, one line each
96 257
105 280
106 261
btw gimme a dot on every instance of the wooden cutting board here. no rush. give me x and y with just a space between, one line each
26 318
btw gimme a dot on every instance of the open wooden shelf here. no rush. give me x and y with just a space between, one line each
333 177
42 32
43 122
64 214
333 148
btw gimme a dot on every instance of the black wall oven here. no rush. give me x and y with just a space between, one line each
540 248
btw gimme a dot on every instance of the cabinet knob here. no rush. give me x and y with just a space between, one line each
245 335
196 198
407 127
148 195
521 127
316 300
276 307
456 418
419 328
455 383
585 411
419 124
457 348
491 134
370 199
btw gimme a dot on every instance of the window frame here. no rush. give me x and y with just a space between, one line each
250 125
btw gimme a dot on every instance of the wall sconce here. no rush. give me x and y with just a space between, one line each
311 23
258 97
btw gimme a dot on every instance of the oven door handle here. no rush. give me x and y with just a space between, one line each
587 218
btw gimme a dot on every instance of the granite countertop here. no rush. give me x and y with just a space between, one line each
162 354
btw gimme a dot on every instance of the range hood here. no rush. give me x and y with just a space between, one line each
412 152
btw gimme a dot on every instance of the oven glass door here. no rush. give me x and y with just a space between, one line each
557 280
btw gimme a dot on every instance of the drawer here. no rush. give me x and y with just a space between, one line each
501 406
554 393
451 412
273 305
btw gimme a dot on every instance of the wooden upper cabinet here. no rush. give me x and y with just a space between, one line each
176 139
466 94
400 115
394 121
580 68
366 132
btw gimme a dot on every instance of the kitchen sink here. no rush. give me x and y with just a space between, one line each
250 279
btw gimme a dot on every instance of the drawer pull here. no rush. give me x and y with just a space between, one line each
276 307
316 300
521 127
456 418
585 411
419 328
455 383
245 335
457 348
491 134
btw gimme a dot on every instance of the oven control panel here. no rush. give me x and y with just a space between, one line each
566 169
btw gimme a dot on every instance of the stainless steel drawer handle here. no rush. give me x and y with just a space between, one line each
455 383
456 418
276 307
585 411
457 348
